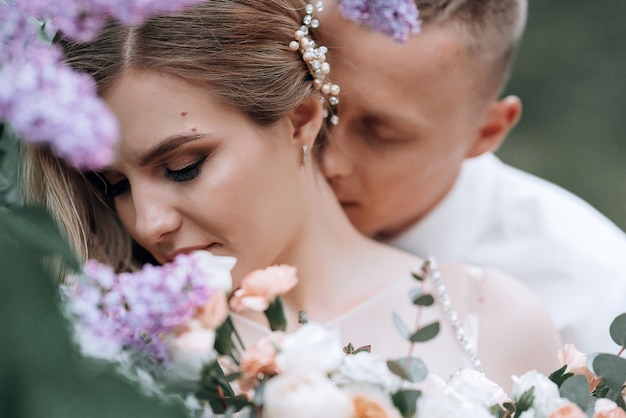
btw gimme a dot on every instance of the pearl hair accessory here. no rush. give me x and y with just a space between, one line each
315 58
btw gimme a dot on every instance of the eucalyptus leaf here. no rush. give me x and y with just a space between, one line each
402 328
414 368
618 330
424 300
406 402
611 368
576 389
426 333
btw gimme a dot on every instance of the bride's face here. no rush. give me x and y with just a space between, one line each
192 174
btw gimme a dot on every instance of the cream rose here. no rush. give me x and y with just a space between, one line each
547 396
311 348
305 395
474 387
367 369
606 408
444 406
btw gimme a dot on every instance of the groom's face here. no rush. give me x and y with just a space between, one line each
409 114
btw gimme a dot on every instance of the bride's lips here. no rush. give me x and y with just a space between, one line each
186 250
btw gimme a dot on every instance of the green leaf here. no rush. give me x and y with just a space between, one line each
32 226
611 368
425 333
224 343
411 369
275 314
618 330
406 402
420 298
525 401
417 276
559 376
576 389
402 328
424 300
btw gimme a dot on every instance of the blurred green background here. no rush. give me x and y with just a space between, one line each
570 73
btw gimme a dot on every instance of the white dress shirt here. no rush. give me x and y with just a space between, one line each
570 254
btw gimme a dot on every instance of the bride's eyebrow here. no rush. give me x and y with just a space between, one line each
167 145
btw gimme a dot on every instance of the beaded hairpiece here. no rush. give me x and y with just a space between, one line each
315 58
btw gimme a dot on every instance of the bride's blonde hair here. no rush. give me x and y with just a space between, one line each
236 50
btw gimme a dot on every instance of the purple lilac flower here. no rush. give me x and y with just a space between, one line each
137 311
44 100
396 18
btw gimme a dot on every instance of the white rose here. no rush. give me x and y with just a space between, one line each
443 406
189 353
604 405
474 387
547 397
301 395
217 267
311 348
365 368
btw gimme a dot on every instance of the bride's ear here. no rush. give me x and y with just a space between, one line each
307 120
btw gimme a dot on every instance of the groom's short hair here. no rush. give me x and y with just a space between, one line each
491 29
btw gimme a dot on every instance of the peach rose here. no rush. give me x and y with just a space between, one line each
371 404
606 408
259 288
569 410
214 313
260 358
576 362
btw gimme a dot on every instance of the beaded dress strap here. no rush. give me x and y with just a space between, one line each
466 342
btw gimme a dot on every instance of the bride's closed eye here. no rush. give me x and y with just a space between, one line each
189 172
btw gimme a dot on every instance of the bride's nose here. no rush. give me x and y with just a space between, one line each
156 216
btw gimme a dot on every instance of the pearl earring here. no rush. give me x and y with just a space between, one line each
305 152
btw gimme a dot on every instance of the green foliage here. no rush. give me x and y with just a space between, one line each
411 369
421 299
350 349
406 402
41 374
216 389
275 314
10 149
426 333
612 370
576 389
559 376
524 402
618 330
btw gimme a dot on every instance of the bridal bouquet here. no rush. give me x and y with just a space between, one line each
171 329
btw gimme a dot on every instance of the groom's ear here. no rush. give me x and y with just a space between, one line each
307 120
500 118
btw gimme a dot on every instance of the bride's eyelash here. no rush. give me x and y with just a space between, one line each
186 173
